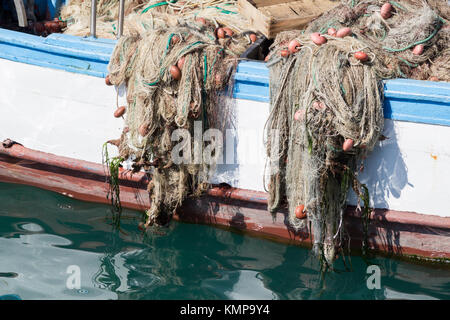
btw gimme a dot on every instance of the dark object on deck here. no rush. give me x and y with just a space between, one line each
258 50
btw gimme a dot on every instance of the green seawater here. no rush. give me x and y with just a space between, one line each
45 235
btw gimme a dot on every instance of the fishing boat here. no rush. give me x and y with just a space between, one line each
56 113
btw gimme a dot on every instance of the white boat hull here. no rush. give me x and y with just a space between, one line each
71 115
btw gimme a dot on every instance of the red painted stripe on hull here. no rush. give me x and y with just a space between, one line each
400 233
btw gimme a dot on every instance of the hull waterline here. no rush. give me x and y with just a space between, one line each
391 232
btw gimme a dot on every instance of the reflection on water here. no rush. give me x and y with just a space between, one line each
246 285
42 234
40 262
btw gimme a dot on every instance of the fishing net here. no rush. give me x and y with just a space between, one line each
326 109
141 15
326 100
77 13
413 23
162 37
178 82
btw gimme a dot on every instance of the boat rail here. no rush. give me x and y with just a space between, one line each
93 25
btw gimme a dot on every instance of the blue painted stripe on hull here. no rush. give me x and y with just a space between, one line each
59 51
405 99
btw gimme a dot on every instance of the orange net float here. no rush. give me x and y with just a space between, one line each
299 115
284 53
119 112
180 62
220 33
228 31
175 72
107 81
344 32
294 46
318 39
175 39
386 11
418 50
143 129
331 32
347 145
361 56
319 105
300 212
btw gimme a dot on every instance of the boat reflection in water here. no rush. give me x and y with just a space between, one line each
42 234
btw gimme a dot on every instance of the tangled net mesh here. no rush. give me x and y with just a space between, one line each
142 16
159 104
414 22
323 97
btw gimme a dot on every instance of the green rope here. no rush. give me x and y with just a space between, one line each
400 72
154 5
398 5
205 73
151 84
414 44
384 34
191 45
214 61
330 24
222 10
162 70
342 88
168 43
205 68
409 64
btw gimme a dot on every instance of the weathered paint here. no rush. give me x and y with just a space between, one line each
56 111
400 173
399 233
71 114
58 51
75 120
405 100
